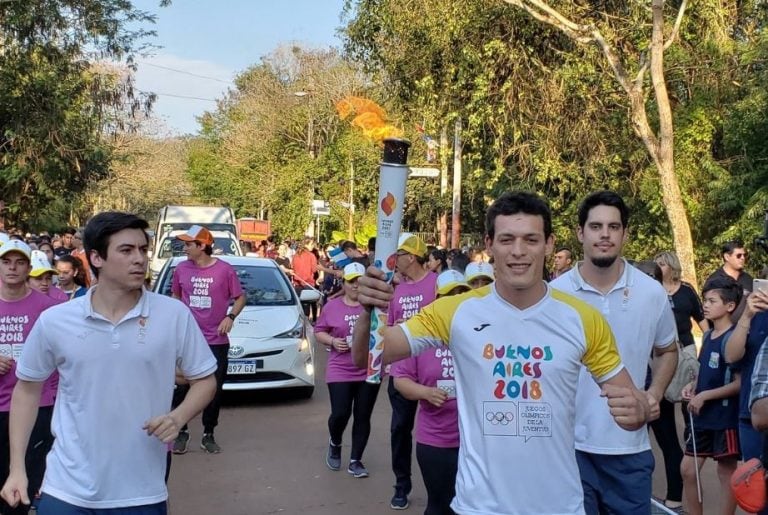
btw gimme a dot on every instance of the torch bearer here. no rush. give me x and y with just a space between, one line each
392 179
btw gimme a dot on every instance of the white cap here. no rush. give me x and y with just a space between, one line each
40 264
475 270
449 280
4 238
16 246
353 271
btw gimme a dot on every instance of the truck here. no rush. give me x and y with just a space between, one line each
253 230
181 218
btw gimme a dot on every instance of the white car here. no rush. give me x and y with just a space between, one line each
224 243
272 344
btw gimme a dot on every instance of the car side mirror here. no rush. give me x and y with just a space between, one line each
309 295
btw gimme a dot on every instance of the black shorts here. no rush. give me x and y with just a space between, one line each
718 444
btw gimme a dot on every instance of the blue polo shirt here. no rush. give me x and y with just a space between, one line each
714 372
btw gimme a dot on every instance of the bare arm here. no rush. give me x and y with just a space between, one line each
239 305
757 302
628 405
24 405
664 366
166 427
723 392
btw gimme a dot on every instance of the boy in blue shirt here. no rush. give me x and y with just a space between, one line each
713 399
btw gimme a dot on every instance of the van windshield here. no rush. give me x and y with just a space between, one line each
183 226
173 247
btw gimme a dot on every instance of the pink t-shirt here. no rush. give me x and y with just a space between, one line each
16 321
410 298
338 319
207 292
438 427
57 295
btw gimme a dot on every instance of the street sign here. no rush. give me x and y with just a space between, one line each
423 172
321 208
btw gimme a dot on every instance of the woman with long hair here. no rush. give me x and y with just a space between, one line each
436 261
71 276
686 307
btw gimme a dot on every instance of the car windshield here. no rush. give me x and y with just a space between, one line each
173 247
263 285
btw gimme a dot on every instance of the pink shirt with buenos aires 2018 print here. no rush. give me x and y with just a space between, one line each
16 320
338 319
207 292
438 427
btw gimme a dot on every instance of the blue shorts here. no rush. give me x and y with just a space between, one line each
52 506
616 484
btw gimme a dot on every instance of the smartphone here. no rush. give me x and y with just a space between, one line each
760 284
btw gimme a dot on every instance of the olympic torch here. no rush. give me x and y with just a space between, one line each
392 179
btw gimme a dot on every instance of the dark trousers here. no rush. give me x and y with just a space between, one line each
52 506
616 484
307 307
438 468
211 412
403 415
352 398
665 430
40 443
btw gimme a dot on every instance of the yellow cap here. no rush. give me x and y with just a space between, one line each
412 244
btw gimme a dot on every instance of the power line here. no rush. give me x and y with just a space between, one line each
178 96
186 72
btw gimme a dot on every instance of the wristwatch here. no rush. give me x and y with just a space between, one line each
232 316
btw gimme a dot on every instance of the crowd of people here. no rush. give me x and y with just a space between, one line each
491 355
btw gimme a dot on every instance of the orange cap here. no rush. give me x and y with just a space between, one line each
197 233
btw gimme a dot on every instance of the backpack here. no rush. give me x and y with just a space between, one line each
688 368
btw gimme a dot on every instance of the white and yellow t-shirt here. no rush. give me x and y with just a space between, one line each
516 376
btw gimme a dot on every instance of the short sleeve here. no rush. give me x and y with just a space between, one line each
431 326
407 368
176 282
37 360
194 357
666 328
323 324
697 312
601 356
235 289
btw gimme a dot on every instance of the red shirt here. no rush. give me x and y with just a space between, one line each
304 266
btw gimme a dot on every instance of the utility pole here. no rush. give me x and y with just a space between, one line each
351 234
456 216
442 222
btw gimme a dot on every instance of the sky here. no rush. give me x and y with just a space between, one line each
206 43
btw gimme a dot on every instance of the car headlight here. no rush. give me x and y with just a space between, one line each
296 332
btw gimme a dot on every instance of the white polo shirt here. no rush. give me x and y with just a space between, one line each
113 379
638 311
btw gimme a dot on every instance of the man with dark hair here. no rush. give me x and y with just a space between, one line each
66 243
351 251
616 465
563 262
116 375
734 260
207 285
518 347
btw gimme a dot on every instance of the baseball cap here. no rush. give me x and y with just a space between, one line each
16 246
412 244
449 280
197 233
475 270
40 264
353 271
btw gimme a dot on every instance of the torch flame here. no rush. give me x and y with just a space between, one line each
369 117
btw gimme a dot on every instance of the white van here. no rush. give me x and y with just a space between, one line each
181 218
224 243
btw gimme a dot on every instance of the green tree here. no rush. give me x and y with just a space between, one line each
57 102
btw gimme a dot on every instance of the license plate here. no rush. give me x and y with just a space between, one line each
244 366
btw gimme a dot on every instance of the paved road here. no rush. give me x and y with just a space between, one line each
273 462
